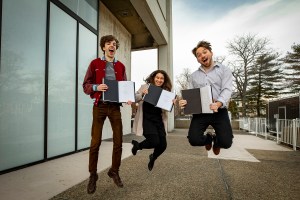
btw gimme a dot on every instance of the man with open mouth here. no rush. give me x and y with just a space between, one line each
219 77
110 68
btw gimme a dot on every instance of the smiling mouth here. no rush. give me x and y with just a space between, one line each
204 60
111 50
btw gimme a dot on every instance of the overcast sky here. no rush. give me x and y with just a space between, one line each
219 21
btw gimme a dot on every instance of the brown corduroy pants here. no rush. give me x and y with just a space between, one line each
100 113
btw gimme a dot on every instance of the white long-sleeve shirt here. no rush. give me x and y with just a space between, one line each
220 79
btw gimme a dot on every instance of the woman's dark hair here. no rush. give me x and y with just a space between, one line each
167 85
203 44
108 38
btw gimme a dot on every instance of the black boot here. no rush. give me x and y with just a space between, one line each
135 147
151 162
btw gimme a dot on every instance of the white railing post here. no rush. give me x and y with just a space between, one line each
277 131
249 129
266 132
297 131
256 123
294 135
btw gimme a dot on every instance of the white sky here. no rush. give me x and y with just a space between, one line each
219 21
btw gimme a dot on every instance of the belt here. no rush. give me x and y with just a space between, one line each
109 103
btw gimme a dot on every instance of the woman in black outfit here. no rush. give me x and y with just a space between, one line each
150 121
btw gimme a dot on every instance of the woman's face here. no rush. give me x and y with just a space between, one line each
159 79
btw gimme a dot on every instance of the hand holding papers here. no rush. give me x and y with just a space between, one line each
159 97
119 91
198 100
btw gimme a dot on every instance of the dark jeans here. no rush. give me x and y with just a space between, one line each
156 141
112 111
221 124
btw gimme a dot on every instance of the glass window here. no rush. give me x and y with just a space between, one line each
22 82
61 82
86 9
87 52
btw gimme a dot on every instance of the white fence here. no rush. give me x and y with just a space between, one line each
287 131
257 126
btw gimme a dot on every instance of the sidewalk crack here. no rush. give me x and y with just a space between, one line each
224 180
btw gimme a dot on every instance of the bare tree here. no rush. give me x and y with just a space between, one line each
220 59
183 79
182 82
245 49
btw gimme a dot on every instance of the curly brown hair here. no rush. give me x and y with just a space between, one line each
203 44
167 85
108 38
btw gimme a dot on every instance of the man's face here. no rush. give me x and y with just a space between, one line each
110 48
204 56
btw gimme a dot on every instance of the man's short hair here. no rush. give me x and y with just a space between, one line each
203 44
108 38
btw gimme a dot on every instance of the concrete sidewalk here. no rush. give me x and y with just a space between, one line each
48 179
253 168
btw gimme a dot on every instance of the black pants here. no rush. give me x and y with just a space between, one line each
221 124
156 141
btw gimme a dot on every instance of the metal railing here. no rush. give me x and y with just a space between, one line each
257 126
287 130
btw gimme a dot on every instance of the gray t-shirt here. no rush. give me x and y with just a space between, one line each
110 71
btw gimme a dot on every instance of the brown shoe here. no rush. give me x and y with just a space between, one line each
208 147
115 176
216 150
91 188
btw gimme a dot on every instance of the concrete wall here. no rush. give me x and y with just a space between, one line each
182 123
235 124
155 16
160 14
109 25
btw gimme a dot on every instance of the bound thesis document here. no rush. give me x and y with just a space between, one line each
198 100
119 91
159 97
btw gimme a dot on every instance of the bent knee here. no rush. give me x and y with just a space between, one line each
195 141
226 145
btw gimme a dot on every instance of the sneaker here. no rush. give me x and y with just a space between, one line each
151 162
116 178
91 188
135 147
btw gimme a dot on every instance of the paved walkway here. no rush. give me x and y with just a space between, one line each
253 168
